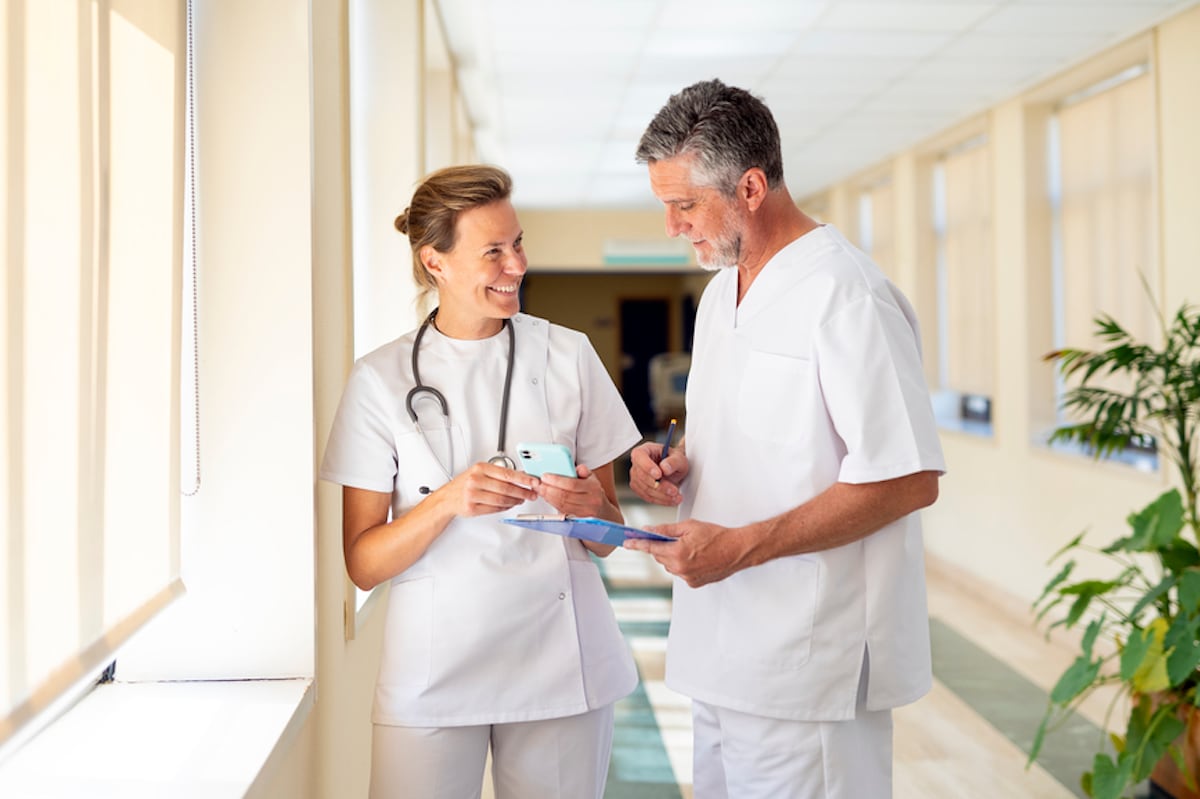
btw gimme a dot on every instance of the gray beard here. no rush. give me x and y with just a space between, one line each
718 265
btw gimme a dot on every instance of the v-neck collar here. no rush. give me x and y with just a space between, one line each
786 268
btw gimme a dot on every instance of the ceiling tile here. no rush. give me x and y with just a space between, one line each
1111 19
684 70
718 43
1045 47
759 16
622 190
540 16
980 73
793 102
560 92
918 16
617 157
528 156
822 68
869 44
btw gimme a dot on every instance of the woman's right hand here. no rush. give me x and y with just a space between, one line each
486 488
377 549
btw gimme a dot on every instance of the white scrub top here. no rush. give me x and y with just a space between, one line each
493 623
814 379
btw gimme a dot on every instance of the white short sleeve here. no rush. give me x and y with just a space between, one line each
606 430
361 452
875 392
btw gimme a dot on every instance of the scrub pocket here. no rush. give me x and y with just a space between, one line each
774 397
608 669
599 636
767 613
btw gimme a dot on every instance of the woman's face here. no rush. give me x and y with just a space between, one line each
478 279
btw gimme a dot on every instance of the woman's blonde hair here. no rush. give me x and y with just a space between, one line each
432 216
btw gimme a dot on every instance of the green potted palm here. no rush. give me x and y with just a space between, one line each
1140 626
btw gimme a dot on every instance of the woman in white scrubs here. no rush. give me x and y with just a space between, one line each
496 636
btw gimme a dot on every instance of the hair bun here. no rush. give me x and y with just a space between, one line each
401 222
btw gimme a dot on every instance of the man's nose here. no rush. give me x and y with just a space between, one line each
675 222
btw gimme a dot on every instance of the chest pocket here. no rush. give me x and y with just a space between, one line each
417 467
775 398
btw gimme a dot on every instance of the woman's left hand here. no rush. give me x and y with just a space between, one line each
582 496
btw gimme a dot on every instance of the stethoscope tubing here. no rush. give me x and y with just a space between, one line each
500 458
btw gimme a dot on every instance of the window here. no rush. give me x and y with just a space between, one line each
1104 231
875 225
89 337
962 221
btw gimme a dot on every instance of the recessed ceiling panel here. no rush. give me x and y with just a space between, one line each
560 91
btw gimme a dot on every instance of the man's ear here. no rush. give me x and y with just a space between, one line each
752 188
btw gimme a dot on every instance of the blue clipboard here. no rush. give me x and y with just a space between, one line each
588 528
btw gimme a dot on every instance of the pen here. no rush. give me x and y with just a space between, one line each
667 444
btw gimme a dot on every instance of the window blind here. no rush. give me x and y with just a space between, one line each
93 101
1107 213
965 243
880 237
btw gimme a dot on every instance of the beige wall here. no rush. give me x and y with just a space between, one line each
330 754
591 303
335 758
575 239
1178 49
1006 504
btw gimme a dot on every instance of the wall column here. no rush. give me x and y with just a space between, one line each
1178 70
387 158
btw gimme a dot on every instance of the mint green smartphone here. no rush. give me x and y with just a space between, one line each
539 459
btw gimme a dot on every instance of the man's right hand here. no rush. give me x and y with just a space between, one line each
654 478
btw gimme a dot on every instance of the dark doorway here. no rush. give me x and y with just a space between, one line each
644 334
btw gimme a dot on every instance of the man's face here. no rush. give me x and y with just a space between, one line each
708 219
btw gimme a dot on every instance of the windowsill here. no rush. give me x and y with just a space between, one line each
966 426
1136 460
211 739
949 415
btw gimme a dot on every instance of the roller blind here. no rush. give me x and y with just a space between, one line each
1107 214
878 234
965 239
93 103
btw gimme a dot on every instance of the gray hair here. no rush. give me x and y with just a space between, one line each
729 130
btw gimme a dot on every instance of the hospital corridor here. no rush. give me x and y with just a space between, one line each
293 289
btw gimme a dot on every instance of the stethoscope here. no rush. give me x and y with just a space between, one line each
500 458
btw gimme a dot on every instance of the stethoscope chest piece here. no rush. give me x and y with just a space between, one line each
500 459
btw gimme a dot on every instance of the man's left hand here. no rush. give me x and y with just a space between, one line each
702 553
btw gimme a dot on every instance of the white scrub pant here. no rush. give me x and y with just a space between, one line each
563 758
740 756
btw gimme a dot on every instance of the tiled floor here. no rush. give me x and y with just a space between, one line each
656 716
968 738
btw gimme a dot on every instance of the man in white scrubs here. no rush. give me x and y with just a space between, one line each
799 618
